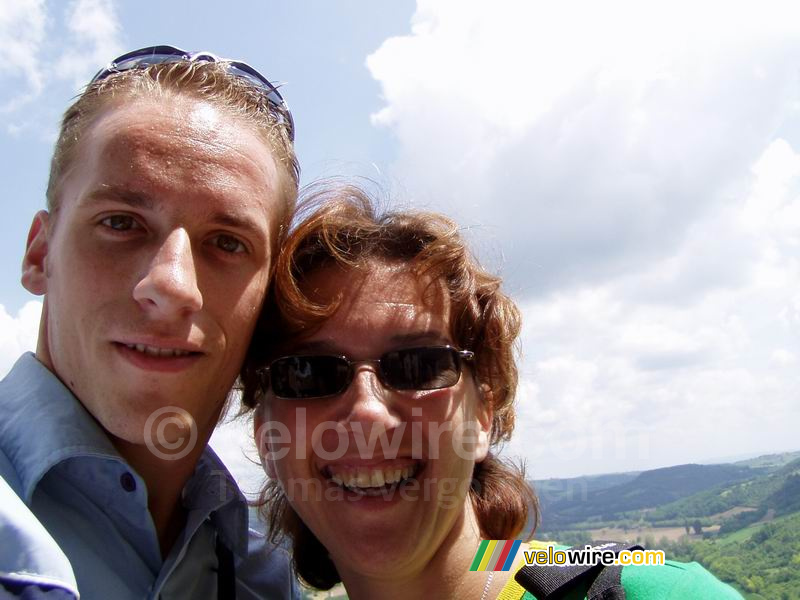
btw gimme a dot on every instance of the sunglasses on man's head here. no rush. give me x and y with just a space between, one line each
152 55
316 376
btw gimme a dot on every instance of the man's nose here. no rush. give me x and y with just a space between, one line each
169 285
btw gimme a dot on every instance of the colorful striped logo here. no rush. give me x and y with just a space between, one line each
495 555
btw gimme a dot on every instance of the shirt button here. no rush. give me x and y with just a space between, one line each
128 482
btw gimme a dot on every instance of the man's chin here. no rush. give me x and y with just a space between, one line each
167 432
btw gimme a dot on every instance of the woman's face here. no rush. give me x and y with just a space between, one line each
380 476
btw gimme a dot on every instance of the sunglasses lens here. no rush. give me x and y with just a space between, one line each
309 376
429 368
142 62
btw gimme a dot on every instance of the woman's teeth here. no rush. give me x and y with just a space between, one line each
364 479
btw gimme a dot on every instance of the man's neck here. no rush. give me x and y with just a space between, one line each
165 480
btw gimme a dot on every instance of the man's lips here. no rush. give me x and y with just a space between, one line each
160 352
169 356
161 347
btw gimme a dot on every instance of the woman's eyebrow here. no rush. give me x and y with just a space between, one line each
420 337
397 340
315 346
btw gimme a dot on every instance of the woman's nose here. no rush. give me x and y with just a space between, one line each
368 401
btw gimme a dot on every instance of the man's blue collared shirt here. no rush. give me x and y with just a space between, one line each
74 516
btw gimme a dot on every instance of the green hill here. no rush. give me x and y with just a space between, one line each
643 491
776 490
770 460
763 560
744 517
551 491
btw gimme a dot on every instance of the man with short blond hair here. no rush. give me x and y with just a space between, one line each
172 181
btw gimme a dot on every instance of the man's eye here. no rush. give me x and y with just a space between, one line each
120 222
228 243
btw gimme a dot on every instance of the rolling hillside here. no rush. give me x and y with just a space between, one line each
643 491
740 520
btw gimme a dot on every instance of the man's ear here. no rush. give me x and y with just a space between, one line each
34 270
484 416
261 434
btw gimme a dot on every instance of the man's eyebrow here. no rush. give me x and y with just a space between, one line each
141 200
237 221
119 194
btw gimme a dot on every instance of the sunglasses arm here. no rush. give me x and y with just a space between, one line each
263 378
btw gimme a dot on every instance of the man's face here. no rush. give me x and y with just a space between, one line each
156 263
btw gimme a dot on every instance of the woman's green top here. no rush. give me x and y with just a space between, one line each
670 581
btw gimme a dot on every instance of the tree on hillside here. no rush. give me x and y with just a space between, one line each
697 526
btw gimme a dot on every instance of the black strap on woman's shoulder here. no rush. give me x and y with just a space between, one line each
226 572
607 585
553 582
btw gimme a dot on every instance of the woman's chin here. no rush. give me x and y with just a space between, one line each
382 535
378 560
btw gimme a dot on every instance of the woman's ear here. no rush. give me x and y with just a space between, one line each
261 435
484 416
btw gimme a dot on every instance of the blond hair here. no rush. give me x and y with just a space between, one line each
210 81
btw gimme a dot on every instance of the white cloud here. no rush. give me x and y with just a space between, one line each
22 32
18 333
681 371
784 357
589 143
44 44
93 40
233 441
638 166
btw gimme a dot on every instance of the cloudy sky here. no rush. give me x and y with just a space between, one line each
632 170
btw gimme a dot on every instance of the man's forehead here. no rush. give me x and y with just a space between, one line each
144 154
173 113
171 129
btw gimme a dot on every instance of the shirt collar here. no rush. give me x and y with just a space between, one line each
213 489
45 424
